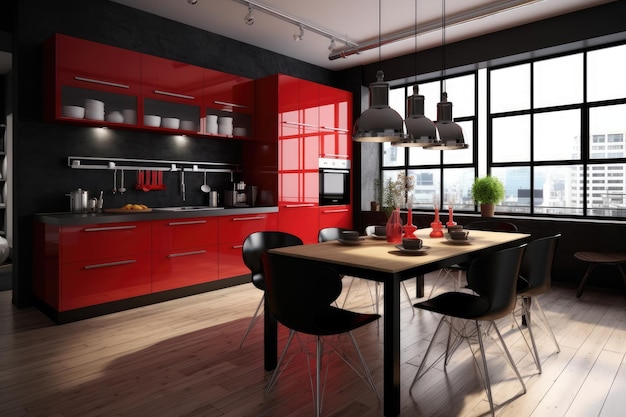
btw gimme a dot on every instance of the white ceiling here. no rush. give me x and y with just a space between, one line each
358 20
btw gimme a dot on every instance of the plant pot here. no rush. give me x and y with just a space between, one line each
487 210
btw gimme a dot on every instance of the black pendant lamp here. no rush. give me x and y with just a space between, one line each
379 123
450 133
420 129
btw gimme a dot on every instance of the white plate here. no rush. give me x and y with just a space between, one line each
421 251
467 241
351 242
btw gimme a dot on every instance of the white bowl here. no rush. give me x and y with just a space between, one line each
115 117
130 116
225 129
187 125
94 114
170 123
152 120
225 121
77 112
91 104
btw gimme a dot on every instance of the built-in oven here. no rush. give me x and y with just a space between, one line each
334 181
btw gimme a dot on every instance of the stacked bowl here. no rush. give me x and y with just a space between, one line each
225 126
94 109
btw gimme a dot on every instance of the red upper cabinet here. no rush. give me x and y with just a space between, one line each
88 82
173 92
228 97
335 119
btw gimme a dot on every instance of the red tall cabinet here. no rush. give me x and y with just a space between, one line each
302 117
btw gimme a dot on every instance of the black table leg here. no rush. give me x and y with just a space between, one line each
391 355
270 338
419 286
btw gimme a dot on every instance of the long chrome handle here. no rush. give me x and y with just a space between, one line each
239 219
103 229
237 246
299 205
225 103
188 222
130 261
337 129
195 252
335 211
299 124
336 155
167 93
109 83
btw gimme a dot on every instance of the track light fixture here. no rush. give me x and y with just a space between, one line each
331 47
299 36
192 1
249 18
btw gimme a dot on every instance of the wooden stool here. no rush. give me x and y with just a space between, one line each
597 258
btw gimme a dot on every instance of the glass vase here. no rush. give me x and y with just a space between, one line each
436 225
394 227
409 228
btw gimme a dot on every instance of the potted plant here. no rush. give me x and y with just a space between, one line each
488 191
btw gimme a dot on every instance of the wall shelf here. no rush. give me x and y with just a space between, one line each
90 162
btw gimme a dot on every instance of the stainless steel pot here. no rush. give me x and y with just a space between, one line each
79 201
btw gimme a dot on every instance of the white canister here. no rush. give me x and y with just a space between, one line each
130 116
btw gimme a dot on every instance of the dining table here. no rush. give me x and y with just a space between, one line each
373 258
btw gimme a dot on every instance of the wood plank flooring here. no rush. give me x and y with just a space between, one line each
181 358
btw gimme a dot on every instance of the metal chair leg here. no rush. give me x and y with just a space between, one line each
279 366
252 321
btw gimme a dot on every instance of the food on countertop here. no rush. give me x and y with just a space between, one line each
135 207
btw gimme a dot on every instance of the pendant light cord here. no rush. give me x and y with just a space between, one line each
379 29
415 68
443 44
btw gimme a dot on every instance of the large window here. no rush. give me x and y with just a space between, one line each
552 129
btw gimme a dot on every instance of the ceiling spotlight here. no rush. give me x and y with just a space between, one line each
249 19
192 1
299 36
331 47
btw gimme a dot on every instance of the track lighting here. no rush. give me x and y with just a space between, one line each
331 47
249 18
192 1
299 36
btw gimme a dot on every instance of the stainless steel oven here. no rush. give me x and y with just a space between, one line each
334 181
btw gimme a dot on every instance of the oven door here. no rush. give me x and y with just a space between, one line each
334 187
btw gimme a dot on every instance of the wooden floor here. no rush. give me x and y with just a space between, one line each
181 358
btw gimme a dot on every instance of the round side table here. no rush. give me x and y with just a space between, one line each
597 258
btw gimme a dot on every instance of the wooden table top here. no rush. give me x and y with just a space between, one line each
378 255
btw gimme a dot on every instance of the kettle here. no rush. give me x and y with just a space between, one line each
79 201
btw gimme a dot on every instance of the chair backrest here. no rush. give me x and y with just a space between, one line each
494 277
492 225
299 291
329 233
256 244
536 270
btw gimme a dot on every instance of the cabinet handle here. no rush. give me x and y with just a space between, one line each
336 155
110 84
225 103
299 124
130 261
104 229
240 219
167 93
176 255
335 211
337 129
189 222
299 205
237 246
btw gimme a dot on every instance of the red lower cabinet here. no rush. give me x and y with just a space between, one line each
300 220
233 231
89 283
335 216
182 268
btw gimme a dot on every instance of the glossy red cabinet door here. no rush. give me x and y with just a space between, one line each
335 216
98 241
233 231
300 220
87 64
335 119
164 79
181 268
181 234
88 283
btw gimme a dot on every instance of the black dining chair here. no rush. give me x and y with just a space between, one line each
333 233
300 294
459 269
535 278
254 246
471 317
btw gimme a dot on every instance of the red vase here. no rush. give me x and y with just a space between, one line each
436 226
394 227
409 228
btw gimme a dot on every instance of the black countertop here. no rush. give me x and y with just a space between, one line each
73 219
